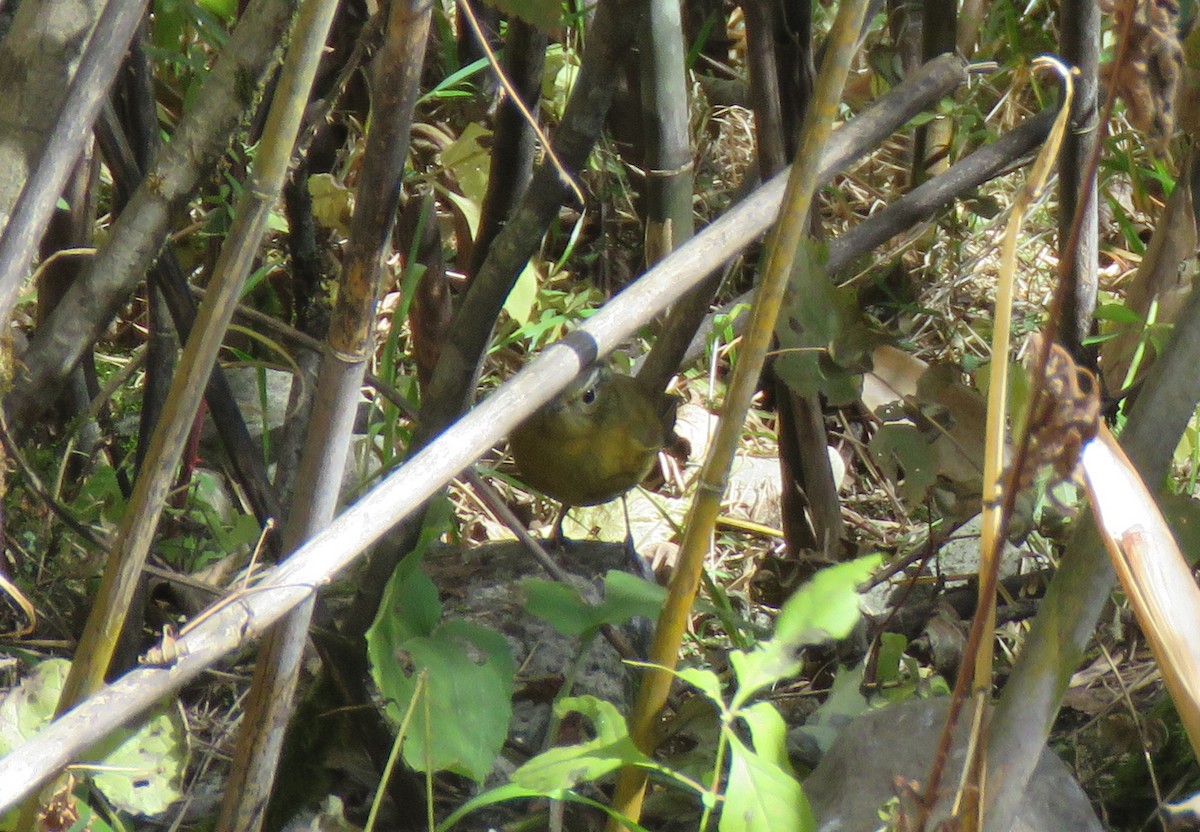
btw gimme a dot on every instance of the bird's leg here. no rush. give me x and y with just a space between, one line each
636 562
558 538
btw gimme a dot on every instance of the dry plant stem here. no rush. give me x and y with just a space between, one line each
269 704
970 20
137 236
134 535
36 64
513 140
246 457
334 547
127 556
761 61
782 247
59 147
997 399
1065 292
997 505
452 390
1077 219
931 143
1055 644
666 131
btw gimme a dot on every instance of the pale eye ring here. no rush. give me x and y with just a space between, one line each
589 395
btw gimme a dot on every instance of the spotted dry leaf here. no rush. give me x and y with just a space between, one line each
1063 417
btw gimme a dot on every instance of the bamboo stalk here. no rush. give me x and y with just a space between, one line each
785 240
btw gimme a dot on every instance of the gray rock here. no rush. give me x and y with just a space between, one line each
858 775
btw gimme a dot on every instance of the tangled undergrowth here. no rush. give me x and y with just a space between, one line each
903 339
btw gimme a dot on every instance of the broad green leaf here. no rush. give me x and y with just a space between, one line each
825 344
824 608
762 797
625 596
607 721
564 767
224 9
469 677
139 770
169 21
891 652
768 732
845 701
30 705
827 604
143 771
906 457
411 605
560 606
1118 313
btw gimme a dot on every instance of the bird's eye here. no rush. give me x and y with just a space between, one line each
589 395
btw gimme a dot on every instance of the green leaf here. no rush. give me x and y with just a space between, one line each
891 652
762 797
559 605
469 672
704 681
147 765
454 85
768 732
825 608
169 21
564 767
523 297
827 604
625 596
411 603
140 769
224 9
905 456
825 343
628 596
844 703
30 705
1118 313
510 791
469 162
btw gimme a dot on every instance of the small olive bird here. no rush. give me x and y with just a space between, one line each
596 441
